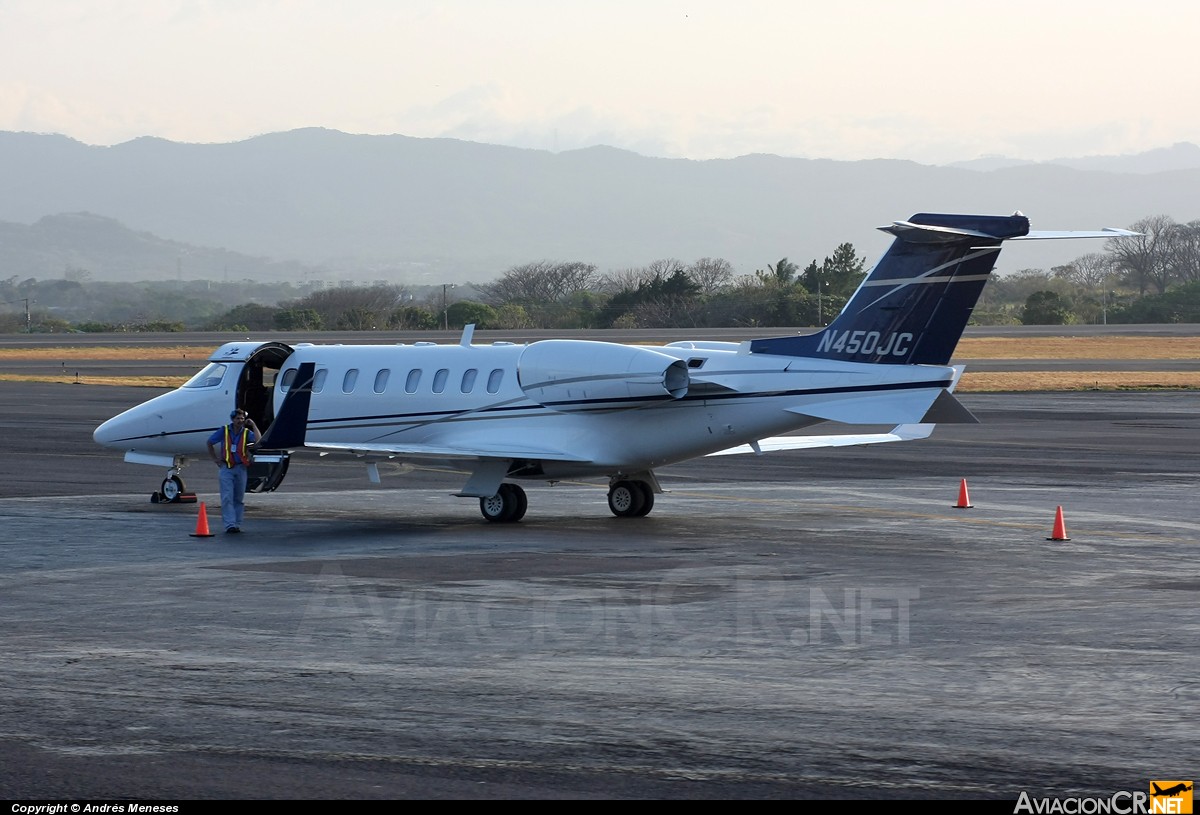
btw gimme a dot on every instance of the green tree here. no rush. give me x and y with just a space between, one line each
413 318
465 312
784 271
661 302
1046 308
298 319
838 275
248 316
1179 305
844 270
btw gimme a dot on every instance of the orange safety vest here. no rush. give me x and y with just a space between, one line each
243 458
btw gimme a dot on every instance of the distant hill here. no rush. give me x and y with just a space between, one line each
103 248
1182 156
439 210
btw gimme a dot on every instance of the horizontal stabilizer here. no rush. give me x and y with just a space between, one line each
1072 234
904 432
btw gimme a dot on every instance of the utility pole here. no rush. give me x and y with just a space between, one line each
445 310
26 301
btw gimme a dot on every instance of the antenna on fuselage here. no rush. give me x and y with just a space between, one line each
468 333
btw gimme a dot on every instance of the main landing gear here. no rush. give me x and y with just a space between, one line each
630 499
627 498
508 505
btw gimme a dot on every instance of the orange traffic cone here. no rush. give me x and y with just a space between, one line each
964 502
202 524
1060 528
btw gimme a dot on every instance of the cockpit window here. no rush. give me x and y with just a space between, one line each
210 377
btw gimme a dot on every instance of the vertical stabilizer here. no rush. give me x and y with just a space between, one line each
913 306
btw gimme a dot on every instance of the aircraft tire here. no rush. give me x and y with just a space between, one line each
506 506
647 498
626 499
172 487
522 501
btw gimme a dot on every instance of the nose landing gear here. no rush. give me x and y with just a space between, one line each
173 490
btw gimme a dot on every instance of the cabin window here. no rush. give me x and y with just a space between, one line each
468 380
319 380
494 380
381 379
289 376
439 380
414 378
209 377
349 379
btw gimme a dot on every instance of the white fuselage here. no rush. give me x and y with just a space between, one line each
604 408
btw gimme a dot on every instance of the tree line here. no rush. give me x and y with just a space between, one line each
1154 277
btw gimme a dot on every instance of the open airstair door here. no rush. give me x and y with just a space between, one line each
255 392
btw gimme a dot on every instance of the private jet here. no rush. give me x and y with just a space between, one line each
561 408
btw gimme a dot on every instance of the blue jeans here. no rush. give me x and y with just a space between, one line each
233 494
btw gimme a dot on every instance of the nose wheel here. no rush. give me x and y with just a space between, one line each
172 488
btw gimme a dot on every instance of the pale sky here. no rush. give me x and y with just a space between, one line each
934 81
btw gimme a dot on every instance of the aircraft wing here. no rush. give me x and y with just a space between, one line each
902 432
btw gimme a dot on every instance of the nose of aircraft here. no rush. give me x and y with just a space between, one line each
174 423
138 426
113 432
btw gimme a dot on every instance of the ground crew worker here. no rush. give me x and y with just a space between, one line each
231 449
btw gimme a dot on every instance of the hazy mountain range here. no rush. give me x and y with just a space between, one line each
320 204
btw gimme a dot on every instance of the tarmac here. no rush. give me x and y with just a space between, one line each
808 624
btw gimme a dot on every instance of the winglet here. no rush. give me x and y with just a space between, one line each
291 423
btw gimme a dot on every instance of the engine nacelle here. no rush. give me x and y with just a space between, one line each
570 375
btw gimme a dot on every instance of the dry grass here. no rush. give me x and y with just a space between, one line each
71 352
1077 348
134 381
1077 381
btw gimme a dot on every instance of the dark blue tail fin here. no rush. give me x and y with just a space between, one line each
915 303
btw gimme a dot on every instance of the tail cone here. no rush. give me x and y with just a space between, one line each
202 523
